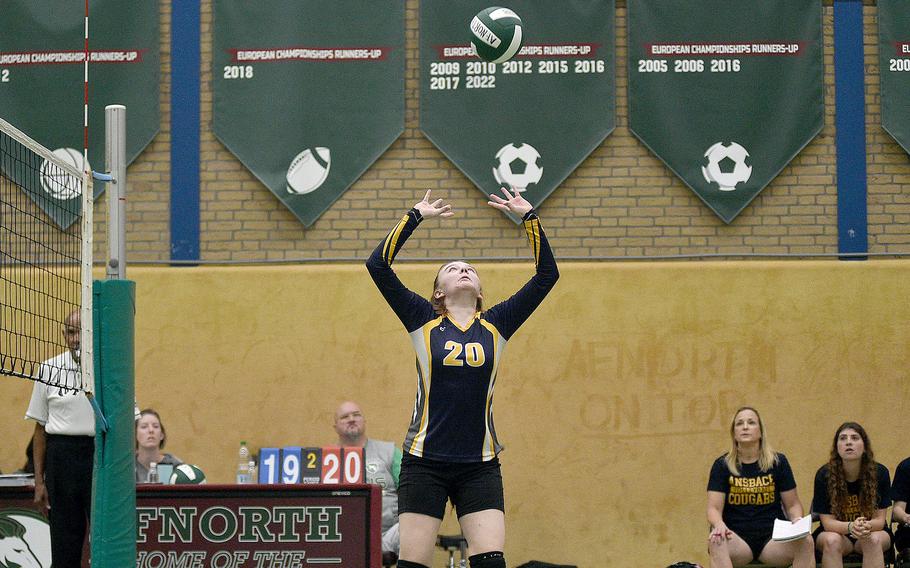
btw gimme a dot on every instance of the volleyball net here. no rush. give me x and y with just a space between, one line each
43 266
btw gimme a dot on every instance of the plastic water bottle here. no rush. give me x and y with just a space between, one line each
243 465
254 477
153 473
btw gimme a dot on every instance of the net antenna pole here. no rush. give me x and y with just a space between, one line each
87 358
115 160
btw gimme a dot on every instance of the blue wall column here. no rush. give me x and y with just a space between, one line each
850 122
185 58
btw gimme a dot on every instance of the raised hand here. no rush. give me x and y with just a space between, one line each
513 203
435 209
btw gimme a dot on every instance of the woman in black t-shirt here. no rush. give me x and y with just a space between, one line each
851 498
900 494
750 486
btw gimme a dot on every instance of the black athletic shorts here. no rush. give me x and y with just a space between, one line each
756 540
902 538
424 486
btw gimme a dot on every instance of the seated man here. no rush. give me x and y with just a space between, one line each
383 462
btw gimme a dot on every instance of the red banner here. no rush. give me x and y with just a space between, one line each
236 526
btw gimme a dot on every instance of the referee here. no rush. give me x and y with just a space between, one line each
64 446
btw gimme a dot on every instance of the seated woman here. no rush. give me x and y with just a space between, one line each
150 439
900 494
750 486
851 498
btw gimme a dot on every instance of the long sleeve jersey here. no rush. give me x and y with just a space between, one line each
456 367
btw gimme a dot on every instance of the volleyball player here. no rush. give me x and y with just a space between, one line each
450 451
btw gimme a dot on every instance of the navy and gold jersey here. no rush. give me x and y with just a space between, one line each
456 367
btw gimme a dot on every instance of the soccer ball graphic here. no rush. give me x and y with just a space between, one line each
517 166
726 166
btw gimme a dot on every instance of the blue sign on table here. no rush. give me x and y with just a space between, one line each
268 465
290 464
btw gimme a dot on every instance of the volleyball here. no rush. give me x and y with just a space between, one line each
187 473
57 182
496 34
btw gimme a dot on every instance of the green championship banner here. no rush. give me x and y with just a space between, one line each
529 122
308 93
726 93
42 60
894 65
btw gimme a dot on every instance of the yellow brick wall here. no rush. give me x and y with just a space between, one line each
622 201
611 405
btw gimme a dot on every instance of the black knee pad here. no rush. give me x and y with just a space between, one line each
493 559
409 564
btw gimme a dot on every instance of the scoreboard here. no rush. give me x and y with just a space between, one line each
328 465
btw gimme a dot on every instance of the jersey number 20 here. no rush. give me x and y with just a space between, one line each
473 354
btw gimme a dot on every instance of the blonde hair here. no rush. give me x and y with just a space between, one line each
767 457
439 304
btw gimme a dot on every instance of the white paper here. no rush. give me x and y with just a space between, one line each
785 530
16 479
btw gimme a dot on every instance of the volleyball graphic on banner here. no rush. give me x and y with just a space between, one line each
541 112
517 167
496 34
59 183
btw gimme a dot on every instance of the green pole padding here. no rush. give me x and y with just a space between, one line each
114 489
